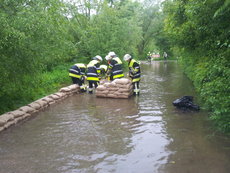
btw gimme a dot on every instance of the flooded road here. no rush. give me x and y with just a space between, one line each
146 134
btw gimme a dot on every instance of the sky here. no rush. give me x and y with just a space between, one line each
147 2
153 1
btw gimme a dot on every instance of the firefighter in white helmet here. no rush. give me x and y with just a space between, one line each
115 66
103 69
93 72
134 72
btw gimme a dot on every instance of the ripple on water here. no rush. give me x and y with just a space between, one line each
139 135
150 112
150 119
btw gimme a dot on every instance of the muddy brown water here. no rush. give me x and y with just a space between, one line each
145 134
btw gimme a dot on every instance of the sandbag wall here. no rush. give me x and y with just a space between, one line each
13 117
119 88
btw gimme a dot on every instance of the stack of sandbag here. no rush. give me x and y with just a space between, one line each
70 90
13 117
119 88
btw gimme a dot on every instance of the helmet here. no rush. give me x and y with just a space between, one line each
112 54
127 57
80 65
103 67
107 58
97 57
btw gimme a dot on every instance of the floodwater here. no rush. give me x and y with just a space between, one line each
145 134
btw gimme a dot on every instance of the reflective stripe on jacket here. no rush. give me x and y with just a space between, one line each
77 70
134 70
115 66
93 70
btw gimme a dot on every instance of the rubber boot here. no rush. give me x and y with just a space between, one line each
83 90
136 91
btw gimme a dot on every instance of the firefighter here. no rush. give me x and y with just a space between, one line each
103 69
93 71
115 66
149 56
77 74
165 55
134 73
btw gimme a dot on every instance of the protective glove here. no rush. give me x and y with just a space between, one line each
132 71
130 75
82 78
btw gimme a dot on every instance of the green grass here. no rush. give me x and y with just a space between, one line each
34 88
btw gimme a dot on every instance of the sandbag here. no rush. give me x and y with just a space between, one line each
2 128
42 103
34 105
60 94
113 89
16 120
110 85
128 86
102 92
2 121
119 88
8 124
103 81
101 88
5 118
48 99
27 109
101 95
123 81
122 96
10 118
53 96
65 89
112 95
17 113
123 90
74 87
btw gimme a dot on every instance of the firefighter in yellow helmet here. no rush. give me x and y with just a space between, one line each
77 74
93 72
134 72
115 66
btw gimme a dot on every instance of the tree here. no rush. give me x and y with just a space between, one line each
199 30
34 38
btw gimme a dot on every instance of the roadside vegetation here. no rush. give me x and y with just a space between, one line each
40 40
199 36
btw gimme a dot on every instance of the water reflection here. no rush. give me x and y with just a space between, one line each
104 132
141 134
188 132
